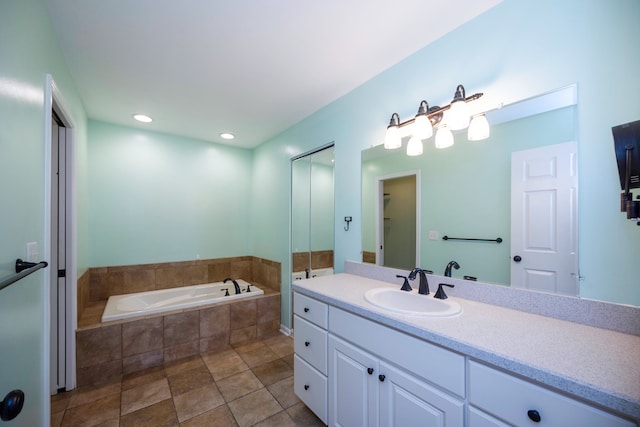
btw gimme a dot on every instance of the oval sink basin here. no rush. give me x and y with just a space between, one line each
412 303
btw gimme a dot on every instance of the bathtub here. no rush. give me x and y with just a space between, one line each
300 275
152 302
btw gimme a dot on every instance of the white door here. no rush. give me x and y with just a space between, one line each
353 394
405 401
544 241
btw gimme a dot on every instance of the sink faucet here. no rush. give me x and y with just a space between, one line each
235 284
424 284
440 293
447 271
405 284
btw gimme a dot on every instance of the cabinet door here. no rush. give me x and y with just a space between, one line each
353 394
406 401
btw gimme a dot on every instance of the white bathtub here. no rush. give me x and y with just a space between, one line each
151 302
301 275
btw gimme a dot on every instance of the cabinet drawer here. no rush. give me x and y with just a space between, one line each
311 387
310 343
435 364
510 399
312 310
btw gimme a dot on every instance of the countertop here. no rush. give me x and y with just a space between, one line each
597 365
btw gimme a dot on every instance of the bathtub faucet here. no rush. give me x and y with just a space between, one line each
235 284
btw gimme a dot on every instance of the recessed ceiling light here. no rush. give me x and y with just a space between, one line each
142 118
227 135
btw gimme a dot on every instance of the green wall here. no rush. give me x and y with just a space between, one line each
158 198
517 50
28 51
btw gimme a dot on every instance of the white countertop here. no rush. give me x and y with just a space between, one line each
598 365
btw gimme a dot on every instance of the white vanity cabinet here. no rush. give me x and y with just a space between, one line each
310 322
388 384
499 399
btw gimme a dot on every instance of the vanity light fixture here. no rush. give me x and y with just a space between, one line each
142 118
454 116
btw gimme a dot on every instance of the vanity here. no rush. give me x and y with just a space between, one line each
357 364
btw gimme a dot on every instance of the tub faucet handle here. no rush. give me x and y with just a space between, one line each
226 291
248 288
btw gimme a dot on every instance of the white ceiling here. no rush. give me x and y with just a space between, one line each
250 67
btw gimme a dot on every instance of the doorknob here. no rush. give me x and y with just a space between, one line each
11 405
517 258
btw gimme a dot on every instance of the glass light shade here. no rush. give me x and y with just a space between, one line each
392 138
479 129
422 128
458 115
444 137
414 147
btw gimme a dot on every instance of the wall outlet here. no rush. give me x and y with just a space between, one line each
433 235
32 252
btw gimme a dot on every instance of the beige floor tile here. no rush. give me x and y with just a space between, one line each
272 372
56 418
60 401
303 416
218 417
281 419
161 414
188 380
183 365
283 392
143 377
229 364
197 401
254 407
145 395
258 356
93 413
89 394
281 345
238 385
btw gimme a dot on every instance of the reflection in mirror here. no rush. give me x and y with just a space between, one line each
465 193
312 214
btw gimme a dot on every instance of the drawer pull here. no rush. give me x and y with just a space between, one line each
381 377
534 415
307 343
306 309
306 386
370 371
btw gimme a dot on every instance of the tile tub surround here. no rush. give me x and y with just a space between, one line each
106 351
246 385
596 365
97 284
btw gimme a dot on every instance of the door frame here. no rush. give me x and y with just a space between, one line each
54 101
379 213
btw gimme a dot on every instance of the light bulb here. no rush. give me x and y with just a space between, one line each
414 147
479 128
444 137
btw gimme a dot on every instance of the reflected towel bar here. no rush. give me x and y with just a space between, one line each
498 240
23 269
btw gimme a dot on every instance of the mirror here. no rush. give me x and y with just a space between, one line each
312 214
465 191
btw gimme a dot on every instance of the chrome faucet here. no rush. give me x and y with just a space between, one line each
424 284
235 284
447 271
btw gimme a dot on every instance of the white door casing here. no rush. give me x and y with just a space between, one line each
544 241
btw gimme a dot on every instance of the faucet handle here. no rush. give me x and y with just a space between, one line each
440 292
405 284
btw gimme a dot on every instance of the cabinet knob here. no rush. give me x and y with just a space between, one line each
381 377
517 258
534 415
306 386
306 309
307 343
370 371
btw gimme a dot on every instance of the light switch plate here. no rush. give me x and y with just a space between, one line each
32 252
433 235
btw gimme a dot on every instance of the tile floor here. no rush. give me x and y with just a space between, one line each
247 385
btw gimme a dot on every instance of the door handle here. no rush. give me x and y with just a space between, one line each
517 258
11 405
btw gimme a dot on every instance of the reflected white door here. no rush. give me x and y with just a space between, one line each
544 244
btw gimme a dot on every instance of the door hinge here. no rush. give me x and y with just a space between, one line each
62 273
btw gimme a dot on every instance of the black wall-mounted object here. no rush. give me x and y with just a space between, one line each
624 136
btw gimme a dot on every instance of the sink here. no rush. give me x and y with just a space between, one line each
412 303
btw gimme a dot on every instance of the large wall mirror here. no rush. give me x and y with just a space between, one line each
312 214
465 192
